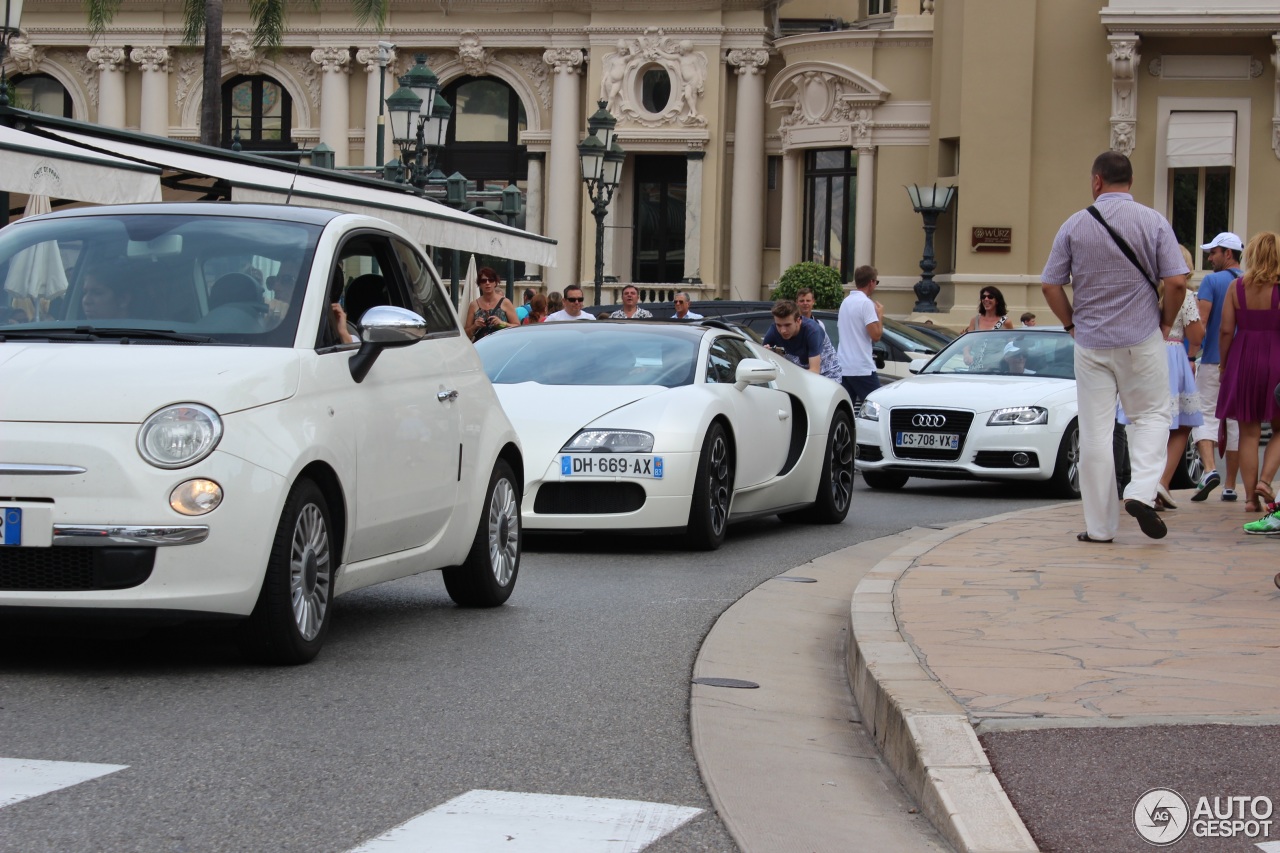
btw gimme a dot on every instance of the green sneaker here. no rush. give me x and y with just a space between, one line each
1268 525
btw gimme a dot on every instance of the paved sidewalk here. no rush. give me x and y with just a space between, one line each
1009 623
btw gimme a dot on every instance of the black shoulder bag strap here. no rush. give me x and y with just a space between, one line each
1125 248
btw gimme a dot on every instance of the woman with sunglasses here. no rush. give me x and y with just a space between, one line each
992 314
490 311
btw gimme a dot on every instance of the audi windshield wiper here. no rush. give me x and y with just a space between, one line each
90 333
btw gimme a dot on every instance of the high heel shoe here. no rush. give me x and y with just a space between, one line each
1163 497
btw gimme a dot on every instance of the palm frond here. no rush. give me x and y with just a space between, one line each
268 18
371 11
100 12
192 21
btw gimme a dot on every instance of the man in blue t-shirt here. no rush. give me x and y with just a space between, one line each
1224 254
802 342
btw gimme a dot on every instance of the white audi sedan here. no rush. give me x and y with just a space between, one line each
994 405
643 426
188 428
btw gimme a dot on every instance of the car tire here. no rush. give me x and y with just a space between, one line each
488 575
291 617
835 489
887 481
712 492
1188 474
1065 482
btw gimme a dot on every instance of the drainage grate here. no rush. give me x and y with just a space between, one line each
726 682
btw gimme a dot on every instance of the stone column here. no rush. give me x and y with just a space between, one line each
110 62
693 216
746 229
1124 91
335 109
564 217
864 210
1275 113
380 84
154 62
533 207
792 199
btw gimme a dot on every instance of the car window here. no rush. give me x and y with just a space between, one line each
172 274
723 358
1050 354
568 354
366 275
425 290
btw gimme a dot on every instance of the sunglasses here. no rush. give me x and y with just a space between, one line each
573 298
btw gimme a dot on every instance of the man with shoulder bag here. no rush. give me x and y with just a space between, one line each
1112 254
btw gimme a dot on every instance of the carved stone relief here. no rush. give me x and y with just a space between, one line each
536 71
244 56
474 57
190 68
78 61
1124 61
623 72
820 99
306 71
23 56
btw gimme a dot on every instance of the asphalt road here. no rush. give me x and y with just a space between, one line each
579 686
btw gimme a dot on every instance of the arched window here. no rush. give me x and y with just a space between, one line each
262 111
41 93
484 133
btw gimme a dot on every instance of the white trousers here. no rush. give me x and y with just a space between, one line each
1139 376
1208 382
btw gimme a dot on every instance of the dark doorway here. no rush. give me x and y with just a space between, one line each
660 195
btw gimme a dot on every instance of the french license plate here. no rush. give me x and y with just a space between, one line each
611 465
10 525
928 440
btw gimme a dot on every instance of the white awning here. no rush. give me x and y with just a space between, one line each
1201 139
34 165
430 223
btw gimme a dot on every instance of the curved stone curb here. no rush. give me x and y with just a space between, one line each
922 732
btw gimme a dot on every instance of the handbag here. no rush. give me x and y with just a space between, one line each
1127 251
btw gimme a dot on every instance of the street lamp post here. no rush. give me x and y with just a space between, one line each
384 56
419 125
929 202
602 160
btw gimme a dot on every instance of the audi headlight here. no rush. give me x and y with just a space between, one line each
1019 416
870 410
178 436
609 441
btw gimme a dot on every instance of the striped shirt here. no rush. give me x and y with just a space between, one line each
1112 304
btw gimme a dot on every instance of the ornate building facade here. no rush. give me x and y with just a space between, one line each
758 133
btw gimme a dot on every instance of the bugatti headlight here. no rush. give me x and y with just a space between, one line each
179 435
870 410
1019 416
609 441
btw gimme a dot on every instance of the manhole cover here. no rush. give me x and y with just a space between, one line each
726 682
795 579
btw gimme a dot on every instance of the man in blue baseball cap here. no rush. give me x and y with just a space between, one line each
1223 253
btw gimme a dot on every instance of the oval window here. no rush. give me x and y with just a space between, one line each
655 92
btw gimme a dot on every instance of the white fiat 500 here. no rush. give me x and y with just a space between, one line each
995 405
190 427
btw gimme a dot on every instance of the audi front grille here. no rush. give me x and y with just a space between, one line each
936 421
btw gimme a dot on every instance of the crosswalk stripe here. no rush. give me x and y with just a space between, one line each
1269 846
22 779
532 823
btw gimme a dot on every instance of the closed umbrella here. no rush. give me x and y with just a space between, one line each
36 273
470 289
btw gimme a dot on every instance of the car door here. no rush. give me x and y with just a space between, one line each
759 414
402 419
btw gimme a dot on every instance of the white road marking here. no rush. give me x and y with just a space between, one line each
532 823
1269 846
21 779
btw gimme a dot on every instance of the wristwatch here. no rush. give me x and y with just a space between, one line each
1068 327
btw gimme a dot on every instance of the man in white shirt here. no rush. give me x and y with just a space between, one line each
572 307
682 308
861 323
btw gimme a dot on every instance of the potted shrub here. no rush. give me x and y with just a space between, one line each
828 290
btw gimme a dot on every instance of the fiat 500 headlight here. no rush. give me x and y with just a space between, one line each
870 410
179 435
1019 416
609 441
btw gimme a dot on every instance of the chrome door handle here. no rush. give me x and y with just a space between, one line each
446 396
783 415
